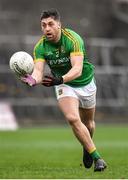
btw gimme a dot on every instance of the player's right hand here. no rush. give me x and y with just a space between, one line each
28 79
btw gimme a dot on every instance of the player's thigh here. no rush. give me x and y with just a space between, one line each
70 107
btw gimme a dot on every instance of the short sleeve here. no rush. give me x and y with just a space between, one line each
38 52
77 46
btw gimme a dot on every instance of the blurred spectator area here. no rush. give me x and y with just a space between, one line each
102 24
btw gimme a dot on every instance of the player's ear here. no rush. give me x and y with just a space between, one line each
59 25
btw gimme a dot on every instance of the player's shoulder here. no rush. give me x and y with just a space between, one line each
40 42
71 34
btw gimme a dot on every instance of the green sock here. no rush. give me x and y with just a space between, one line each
95 155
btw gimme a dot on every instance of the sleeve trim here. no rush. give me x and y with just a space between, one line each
76 54
39 60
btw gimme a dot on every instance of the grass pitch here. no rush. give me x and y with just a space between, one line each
54 153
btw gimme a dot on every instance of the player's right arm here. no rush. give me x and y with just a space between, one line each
38 71
39 63
37 75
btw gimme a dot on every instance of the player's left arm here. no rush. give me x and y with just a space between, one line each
76 70
76 58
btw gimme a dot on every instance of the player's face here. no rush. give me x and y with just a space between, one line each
51 29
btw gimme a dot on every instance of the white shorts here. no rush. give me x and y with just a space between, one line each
85 94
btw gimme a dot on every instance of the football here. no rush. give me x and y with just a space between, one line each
21 63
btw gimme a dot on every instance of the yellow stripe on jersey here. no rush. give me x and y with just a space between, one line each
39 60
76 54
74 40
75 43
41 40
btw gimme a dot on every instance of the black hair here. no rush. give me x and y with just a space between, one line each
53 13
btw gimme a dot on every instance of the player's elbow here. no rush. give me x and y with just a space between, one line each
78 72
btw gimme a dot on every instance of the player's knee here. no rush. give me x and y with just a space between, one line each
90 125
72 119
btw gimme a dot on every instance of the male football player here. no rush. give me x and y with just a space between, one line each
73 77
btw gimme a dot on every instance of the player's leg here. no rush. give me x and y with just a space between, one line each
70 108
87 97
87 113
87 117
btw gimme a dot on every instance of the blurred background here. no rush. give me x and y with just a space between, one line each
103 24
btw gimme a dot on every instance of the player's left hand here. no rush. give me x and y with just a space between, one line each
52 81
28 79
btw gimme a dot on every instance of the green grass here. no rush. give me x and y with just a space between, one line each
53 152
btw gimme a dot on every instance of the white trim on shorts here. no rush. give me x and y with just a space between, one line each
85 94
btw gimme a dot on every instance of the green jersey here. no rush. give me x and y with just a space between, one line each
58 56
